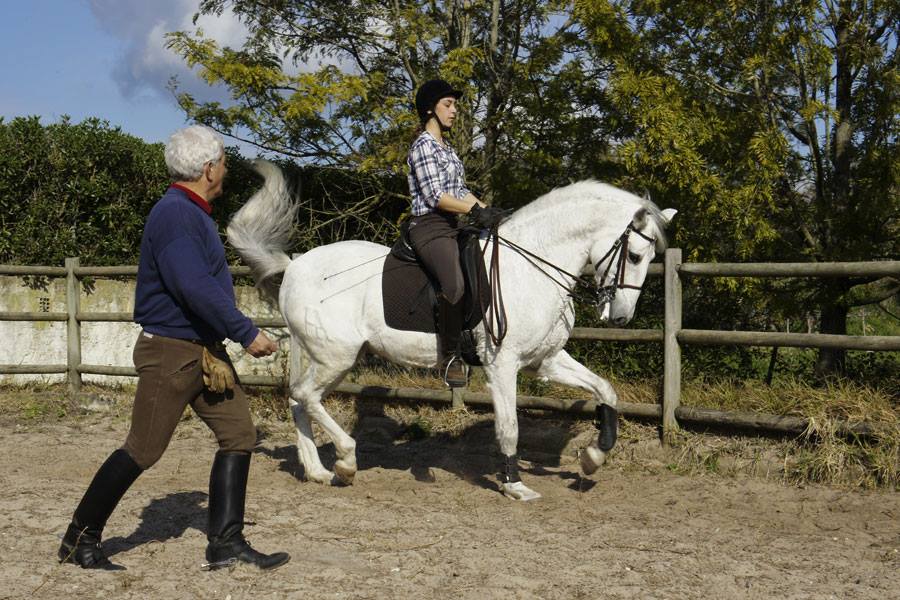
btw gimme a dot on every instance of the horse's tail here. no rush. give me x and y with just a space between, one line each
261 230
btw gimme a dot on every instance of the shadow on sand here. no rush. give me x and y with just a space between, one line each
163 519
472 454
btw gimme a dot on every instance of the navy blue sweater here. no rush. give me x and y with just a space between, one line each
184 289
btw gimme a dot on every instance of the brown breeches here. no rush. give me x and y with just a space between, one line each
169 379
433 237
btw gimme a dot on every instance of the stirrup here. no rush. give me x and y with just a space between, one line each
455 377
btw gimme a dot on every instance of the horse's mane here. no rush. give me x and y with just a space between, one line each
591 192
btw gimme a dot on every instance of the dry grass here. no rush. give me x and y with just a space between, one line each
822 454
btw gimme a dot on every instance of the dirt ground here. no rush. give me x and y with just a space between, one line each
424 520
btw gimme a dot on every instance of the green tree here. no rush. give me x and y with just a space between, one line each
772 124
332 81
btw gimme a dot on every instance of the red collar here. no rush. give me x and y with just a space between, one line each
194 197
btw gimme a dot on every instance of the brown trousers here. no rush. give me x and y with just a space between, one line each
169 379
433 237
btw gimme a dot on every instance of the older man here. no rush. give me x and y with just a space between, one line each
184 302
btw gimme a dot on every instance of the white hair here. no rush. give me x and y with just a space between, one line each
189 149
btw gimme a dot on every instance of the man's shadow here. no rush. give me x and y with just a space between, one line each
163 519
471 454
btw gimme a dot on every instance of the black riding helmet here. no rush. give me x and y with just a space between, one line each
430 93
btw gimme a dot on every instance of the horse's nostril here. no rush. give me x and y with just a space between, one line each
620 321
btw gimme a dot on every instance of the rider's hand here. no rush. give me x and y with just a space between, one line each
262 346
487 217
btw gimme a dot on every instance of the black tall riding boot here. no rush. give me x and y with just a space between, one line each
450 319
227 493
81 544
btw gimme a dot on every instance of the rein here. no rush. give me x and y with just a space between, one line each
586 291
576 291
496 325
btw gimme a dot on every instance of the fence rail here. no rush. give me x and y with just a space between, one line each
672 337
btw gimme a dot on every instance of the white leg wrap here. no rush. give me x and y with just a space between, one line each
591 459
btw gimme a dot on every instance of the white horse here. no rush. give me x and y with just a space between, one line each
334 320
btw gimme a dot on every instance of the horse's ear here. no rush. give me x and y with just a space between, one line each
669 214
640 219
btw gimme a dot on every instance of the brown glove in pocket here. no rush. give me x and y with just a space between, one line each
217 374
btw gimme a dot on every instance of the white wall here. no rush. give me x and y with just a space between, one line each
44 343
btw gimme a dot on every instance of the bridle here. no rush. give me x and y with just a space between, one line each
618 254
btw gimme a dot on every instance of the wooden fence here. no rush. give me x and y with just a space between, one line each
672 336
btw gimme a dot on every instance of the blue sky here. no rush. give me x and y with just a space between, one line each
100 58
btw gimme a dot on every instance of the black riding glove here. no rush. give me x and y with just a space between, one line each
485 218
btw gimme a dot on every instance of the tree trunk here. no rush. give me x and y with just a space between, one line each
831 361
834 309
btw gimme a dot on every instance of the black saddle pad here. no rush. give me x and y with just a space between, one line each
409 295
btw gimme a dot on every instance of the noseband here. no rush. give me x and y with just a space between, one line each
618 254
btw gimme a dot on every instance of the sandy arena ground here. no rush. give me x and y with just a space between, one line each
424 520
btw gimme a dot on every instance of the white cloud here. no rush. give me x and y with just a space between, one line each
146 66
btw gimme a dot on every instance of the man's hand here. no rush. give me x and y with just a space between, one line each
262 346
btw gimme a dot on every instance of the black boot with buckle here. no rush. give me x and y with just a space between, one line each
81 543
450 318
227 493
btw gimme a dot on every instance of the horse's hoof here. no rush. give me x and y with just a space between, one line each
323 477
345 471
519 491
591 459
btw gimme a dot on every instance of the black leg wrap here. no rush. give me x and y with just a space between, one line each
81 543
227 494
510 472
607 422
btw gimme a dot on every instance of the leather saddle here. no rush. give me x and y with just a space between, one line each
409 293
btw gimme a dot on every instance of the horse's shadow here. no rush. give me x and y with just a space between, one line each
471 454
163 519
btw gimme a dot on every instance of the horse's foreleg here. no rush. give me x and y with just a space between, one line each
562 368
502 385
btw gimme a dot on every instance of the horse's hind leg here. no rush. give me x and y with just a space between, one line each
562 368
307 452
310 383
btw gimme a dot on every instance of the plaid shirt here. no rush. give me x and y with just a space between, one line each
433 170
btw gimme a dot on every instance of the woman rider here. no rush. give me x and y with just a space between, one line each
439 193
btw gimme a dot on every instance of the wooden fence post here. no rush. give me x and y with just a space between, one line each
73 330
671 349
457 397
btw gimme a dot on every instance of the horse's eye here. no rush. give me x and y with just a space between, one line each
634 258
